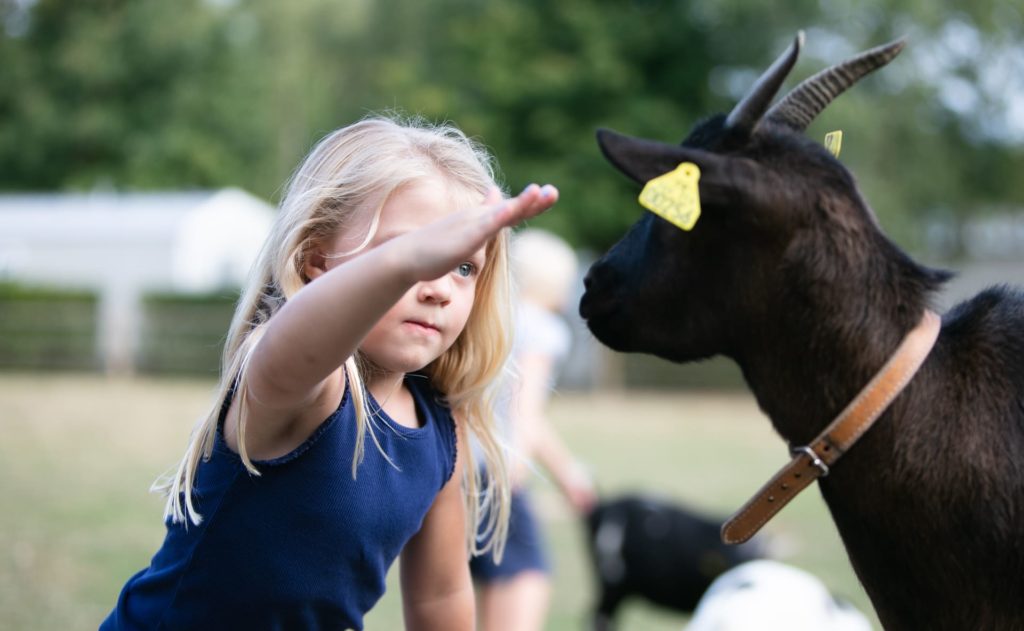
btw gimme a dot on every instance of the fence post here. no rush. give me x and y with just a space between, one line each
119 316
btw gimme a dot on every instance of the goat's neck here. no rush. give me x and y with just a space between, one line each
806 367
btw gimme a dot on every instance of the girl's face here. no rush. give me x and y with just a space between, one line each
428 319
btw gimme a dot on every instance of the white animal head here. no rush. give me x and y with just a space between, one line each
768 595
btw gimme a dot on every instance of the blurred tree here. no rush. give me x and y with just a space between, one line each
137 94
202 93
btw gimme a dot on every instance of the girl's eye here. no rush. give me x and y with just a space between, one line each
465 270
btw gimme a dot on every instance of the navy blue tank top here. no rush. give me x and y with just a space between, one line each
303 545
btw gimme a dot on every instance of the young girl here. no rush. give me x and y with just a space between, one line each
359 357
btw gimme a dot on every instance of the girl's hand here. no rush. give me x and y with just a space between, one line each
438 248
579 489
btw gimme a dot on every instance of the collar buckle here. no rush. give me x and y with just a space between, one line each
815 460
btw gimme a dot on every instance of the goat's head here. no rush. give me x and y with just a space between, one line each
682 295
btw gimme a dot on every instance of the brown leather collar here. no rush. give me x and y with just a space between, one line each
813 461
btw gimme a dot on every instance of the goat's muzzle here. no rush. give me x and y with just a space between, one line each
601 308
589 300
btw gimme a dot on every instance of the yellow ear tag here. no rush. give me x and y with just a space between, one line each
834 141
674 196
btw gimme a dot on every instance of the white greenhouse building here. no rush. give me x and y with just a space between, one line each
121 245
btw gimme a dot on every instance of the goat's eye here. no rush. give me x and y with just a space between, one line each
466 270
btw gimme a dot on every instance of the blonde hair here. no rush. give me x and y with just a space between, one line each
544 267
351 171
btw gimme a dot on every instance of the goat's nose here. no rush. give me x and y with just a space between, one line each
587 300
599 277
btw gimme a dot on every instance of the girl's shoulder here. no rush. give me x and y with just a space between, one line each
307 426
439 421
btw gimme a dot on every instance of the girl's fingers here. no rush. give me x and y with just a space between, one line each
530 203
447 241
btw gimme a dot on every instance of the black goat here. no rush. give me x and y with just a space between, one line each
788 273
656 550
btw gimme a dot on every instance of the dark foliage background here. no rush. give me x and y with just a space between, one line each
143 94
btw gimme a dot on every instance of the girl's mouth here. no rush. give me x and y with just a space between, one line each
424 327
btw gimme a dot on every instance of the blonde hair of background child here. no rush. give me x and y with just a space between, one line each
354 170
544 267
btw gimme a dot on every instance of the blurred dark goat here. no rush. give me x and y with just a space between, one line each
788 273
656 550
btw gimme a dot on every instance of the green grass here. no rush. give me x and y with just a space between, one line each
78 453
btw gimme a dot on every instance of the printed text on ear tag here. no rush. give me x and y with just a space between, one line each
834 141
674 196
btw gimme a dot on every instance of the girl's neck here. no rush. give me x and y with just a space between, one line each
383 385
393 398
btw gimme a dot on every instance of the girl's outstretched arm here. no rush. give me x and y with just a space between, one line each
323 324
437 592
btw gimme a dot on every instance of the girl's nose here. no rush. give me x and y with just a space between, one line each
437 291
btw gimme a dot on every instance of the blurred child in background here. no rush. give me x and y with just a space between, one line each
513 595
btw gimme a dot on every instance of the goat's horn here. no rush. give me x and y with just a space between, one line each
748 112
800 107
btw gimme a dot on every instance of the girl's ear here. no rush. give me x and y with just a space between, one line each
314 263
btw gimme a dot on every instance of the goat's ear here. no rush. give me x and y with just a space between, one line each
643 160
640 159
